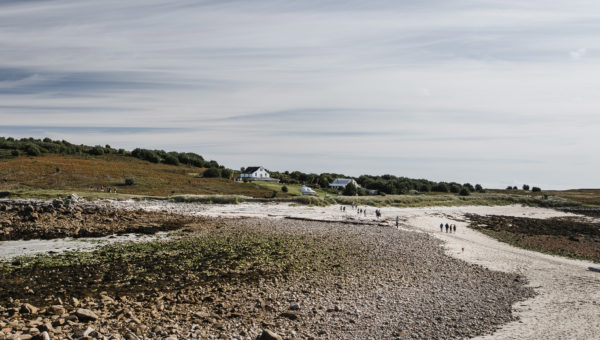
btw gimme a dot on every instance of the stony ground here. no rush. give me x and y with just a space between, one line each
234 278
31 219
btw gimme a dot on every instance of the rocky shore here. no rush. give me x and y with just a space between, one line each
33 219
257 278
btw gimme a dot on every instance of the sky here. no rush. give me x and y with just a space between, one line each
492 92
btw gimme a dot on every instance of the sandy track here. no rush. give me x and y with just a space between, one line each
568 302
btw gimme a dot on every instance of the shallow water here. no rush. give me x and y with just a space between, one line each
12 249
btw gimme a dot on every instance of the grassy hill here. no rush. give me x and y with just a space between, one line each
83 174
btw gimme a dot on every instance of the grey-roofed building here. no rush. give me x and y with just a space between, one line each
340 183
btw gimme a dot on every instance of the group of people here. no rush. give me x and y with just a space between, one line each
102 188
361 211
449 227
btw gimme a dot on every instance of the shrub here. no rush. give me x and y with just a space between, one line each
469 187
284 188
455 188
212 173
464 192
97 150
170 159
226 173
440 187
350 190
536 189
32 150
525 187
15 153
509 187
478 187
129 181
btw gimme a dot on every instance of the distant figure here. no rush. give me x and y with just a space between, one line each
341 208
441 227
344 209
454 226
447 226
397 221
365 211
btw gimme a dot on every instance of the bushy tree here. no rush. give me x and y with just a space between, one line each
350 190
478 188
536 189
212 173
455 188
32 150
226 173
171 159
440 187
97 150
525 187
464 192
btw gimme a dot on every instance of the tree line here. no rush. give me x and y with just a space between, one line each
37 147
386 184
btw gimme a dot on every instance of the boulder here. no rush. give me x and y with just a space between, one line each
41 336
268 335
28 309
57 309
86 315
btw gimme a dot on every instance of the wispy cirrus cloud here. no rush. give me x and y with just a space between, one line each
312 85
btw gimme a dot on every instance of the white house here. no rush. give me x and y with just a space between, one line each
256 173
340 183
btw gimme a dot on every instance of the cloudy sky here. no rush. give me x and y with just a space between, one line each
491 92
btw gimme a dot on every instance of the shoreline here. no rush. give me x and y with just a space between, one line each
564 286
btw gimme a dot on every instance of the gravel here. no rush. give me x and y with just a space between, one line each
381 283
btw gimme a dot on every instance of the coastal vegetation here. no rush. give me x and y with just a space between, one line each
44 168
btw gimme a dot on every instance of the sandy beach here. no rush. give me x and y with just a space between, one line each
568 300
565 305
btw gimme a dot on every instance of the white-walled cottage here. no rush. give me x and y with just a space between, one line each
256 173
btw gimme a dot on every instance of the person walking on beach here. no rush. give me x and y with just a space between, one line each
447 226
397 221
454 226
442 227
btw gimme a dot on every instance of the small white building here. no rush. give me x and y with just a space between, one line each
256 173
340 183
307 191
